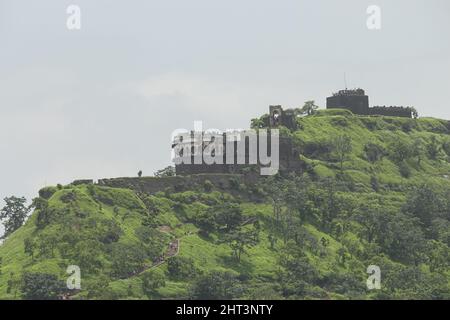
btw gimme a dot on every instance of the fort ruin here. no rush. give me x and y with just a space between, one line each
357 102
239 151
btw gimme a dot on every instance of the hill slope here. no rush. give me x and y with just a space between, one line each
376 192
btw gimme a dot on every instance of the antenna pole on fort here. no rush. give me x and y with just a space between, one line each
345 81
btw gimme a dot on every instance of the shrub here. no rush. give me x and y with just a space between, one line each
334 112
372 123
69 197
374 152
152 240
446 147
208 186
41 286
47 192
110 232
216 286
374 183
181 267
151 281
166 172
235 184
434 148
400 150
405 170
339 121
127 259
206 221
318 149
408 126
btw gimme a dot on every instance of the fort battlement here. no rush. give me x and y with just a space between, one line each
394 111
151 185
357 102
229 183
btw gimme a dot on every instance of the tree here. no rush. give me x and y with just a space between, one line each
13 283
240 241
88 254
228 215
309 107
14 214
127 259
301 268
181 267
43 215
48 241
272 240
410 282
39 203
108 231
434 148
342 145
275 191
291 195
257 123
166 172
414 112
41 286
140 173
206 222
295 197
346 283
151 239
400 150
29 247
151 281
407 242
374 152
216 285
404 170
97 287
331 204
438 255
425 203
342 254
374 219
298 272
446 147
151 203
440 230
418 150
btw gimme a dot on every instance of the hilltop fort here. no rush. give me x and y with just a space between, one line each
228 156
357 102
239 151
354 100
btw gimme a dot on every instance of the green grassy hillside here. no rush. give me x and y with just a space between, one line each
425 140
376 191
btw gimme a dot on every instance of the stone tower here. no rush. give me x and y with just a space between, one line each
280 117
354 100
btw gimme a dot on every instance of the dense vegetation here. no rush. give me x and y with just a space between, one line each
376 191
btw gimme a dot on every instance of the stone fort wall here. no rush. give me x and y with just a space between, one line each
152 185
358 102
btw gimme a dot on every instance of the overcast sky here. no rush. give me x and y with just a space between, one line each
102 101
